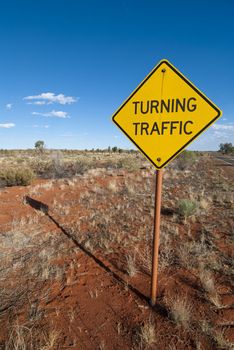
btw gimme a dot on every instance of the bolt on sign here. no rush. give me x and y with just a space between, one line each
165 114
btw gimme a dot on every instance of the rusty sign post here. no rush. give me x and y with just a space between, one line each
156 236
162 116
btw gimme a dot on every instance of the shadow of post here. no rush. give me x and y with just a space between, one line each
45 208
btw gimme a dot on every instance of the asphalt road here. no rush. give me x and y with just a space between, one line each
226 159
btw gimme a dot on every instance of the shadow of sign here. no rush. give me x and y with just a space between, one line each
37 205
45 208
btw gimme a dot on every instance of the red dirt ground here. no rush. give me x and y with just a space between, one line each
96 304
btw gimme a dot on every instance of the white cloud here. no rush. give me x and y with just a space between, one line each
41 126
9 106
57 114
220 135
38 103
228 127
49 98
216 134
7 125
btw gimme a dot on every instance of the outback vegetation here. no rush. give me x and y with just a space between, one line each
75 245
226 148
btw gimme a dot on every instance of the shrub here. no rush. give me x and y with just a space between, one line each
147 334
226 148
41 168
129 164
82 167
186 160
187 207
131 265
16 177
180 310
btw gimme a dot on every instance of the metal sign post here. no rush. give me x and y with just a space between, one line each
162 116
157 219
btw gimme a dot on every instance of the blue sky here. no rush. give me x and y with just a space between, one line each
66 66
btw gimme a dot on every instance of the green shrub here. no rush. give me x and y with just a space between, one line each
187 207
226 148
16 177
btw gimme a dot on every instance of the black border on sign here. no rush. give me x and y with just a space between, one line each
219 112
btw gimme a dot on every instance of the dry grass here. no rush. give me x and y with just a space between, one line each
180 310
110 221
51 340
208 284
145 257
113 186
207 280
23 337
147 334
26 260
131 266
66 164
221 341
93 293
20 338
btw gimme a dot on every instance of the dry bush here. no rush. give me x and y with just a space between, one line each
166 257
16 176
41 167
131 266
180 310
217 336
166 252
184 255
185 160
200 253
129 187
32 337
191 253
204 203
215 299
20 338
55 166
208 285
147 334
207 280
82 166
221 341
129 164
51 340
145 257
113 186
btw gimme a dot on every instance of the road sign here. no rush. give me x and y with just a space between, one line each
165 114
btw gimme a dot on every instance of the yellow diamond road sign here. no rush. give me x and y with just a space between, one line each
165 114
